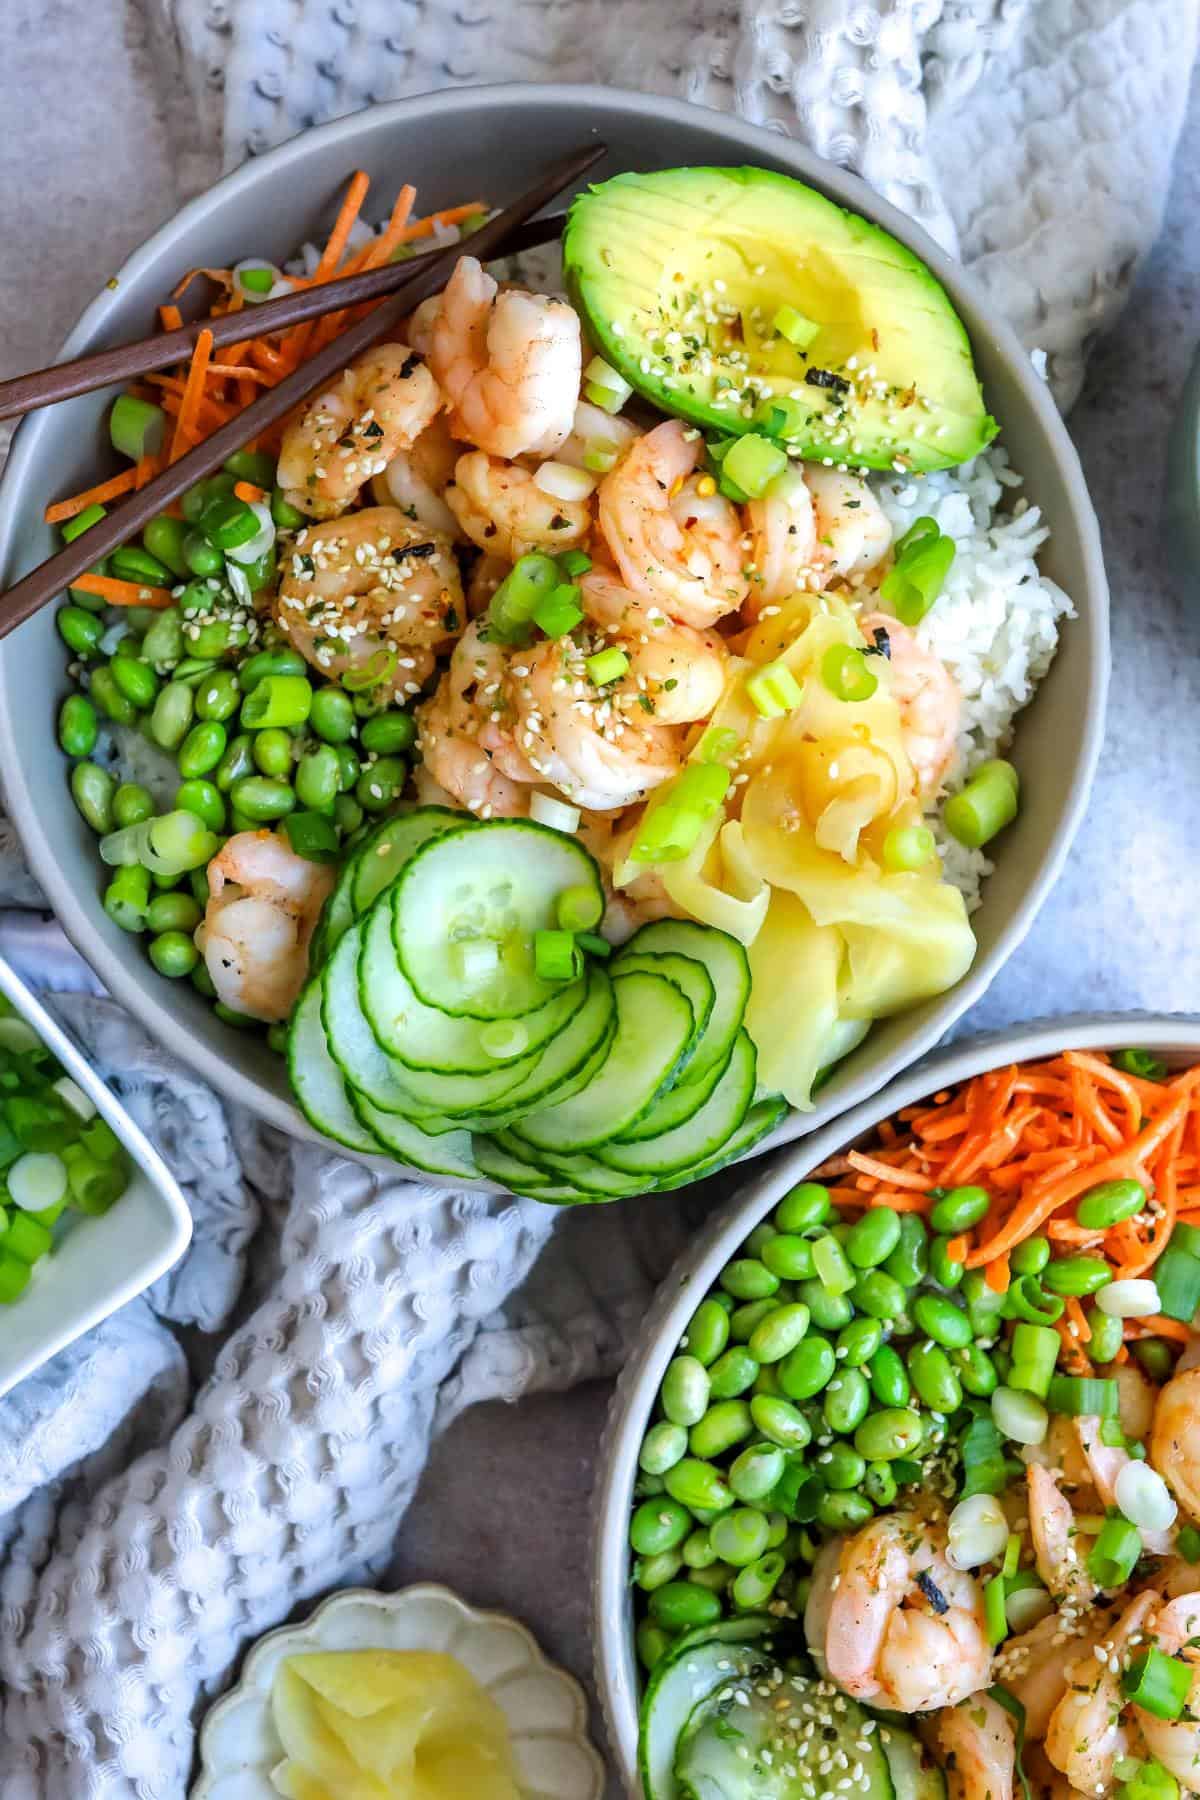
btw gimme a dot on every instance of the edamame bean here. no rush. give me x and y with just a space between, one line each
1030 1257
766 1381
708 1332
273 752
172 715
652 1644
202 558
780 1421
80 631
732 1373
844 1512
977 1371
740 1537
777 1530
723 1425
959 1209
1074 1276
317 779
78 727
174 954
804 1206
933 1378
136 680
942 1320
682 1605
909 1261
715 1578
92 789
888 1377
943 1268
778 1332
756 1471
754 1585
788 1256
218 697
878 1295
805 1370
1109 1203
858 1341
892 1432
1107 1335
380 783
131 804
841 1467
332 715
202 749
685 1391
879 1484
163 538
846 1401
389 733
830 1262
874 1237
762 1234
172 912
109 698
347 814
697 1550
202 981
279 661
653 1572
697 1484
127 896
659 1525
237 762
744 1319
662 1447
829 1311
204 800
261 799
1154 1354
985 1307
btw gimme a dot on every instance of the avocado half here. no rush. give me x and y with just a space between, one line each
680 276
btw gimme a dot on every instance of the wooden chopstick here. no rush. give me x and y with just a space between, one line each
63 381
45 582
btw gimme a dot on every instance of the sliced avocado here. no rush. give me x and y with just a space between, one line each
682 277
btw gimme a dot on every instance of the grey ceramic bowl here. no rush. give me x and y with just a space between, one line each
493 142
1175 1039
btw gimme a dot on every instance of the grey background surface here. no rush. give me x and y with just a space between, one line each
86 175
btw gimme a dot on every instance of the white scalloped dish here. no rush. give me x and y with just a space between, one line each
545 1708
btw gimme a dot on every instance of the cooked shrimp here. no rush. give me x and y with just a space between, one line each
484 579
460 733
927 695
1137 1397
681 671
501 508
1174 1446
1105 1462
851 526
1087 1732
976 1744
812 524
416 479
671 543
371 583
1176 1742
379 405
1033 1666
263 906
904 1628
1053 1530
509 363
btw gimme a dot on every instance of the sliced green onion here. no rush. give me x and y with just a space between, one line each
774 690
574 562
578 909
560 612
1187 1543
908 847
228 522
1111 1434
1083 1396
604 386
547 809
1026 1602
1012 1556
1035 1351
37 1180
977 1531
378 668
606 666
136 427
503 1038
753 461
795 327
91 515
254 280
1020 1416
678 813
277 701
73 1095
922 561
989 802
531 580
170 845
833 1267
27 1238
1186 1237
845 673
15 1276
1141 1063
781 417
594 945
1177 1278
1150 1781
995 1617
717 450
555 956
1112 1556
1132 1299
1158 1683
563 481
717 745
1027 1299
601 455
1144 1497
1126 1767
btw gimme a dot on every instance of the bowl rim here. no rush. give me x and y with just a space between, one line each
615 1665
135 989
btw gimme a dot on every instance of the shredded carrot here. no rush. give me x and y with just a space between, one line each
170 317
1157 1326
124 483
185 424
453 215
246 490
997 1275
957 1247
884 1171
123 593
1078 1318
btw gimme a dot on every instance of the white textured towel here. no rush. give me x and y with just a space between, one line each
249 1434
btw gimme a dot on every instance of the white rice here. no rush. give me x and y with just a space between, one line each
995 624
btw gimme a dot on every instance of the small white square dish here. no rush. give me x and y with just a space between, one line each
97 1264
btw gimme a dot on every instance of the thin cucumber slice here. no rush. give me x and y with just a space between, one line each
317 1081
654 1027
420 1036
729 968
685 1096
500 1165
569 1060
468 907
689 1672
702 1136
692 978
378 862
590 1177
759 1122
915 1775
449 1154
